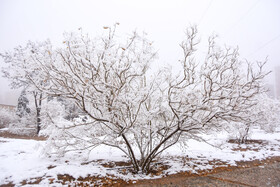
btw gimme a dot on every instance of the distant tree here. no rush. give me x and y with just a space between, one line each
128 109
264 115
22 105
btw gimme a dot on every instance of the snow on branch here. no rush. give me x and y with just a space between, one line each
125 108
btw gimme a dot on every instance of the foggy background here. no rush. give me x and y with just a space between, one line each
253 25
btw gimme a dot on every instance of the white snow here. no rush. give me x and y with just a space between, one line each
22 159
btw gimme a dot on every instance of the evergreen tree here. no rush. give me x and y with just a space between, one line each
22 106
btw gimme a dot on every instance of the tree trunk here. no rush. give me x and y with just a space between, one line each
132 156
38 103
146 164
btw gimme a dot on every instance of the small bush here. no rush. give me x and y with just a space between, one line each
20 129
6 117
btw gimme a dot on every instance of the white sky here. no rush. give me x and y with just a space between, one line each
253 25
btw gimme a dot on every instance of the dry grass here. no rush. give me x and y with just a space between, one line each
6 134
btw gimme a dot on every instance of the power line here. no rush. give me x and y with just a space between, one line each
243 16
265 44
205 11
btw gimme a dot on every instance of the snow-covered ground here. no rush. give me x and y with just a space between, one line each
22 159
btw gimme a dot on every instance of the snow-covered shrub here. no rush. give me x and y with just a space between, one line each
7 117
19 129
52 113
140 114
264 114
25 125
239 132
270 112
54 125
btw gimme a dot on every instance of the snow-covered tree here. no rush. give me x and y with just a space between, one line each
19 68
139 114
22 106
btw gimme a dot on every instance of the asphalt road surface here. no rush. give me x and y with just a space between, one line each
265 175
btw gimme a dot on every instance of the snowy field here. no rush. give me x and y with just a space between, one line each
23 160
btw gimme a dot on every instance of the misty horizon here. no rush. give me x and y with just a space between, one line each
253 26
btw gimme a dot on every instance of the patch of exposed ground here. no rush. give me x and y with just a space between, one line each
174 180
6 134
220 167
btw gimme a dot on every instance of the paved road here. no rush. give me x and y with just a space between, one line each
266 175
